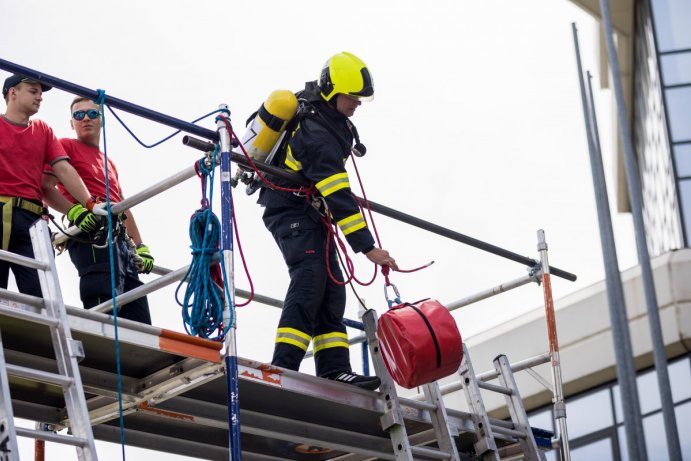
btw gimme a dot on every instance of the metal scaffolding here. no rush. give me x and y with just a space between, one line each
174 398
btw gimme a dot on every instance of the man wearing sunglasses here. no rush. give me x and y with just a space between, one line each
25 147
89 251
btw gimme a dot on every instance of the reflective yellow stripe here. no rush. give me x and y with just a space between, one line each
329 340
352 223
294 337
291 162
333 183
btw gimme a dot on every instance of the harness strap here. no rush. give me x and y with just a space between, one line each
15 202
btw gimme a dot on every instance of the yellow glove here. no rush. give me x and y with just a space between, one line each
146 264
83 218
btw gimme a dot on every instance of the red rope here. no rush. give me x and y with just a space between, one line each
374 226
235 224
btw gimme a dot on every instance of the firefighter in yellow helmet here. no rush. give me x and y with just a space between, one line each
314 305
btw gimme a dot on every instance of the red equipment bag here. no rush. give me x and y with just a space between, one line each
419 342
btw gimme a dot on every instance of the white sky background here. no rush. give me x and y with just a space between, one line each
476 126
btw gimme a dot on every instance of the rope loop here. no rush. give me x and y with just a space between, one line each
101 97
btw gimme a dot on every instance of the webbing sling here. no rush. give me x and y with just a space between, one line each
8 204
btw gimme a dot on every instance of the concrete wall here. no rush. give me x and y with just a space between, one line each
585 337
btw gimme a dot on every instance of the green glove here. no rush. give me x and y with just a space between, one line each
83 218
147 261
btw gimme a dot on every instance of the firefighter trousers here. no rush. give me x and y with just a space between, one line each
95 287
314 305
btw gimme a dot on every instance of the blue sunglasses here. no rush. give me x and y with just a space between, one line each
93 114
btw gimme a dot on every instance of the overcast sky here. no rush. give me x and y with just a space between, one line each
476 125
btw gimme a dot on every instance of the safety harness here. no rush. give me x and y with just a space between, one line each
15 202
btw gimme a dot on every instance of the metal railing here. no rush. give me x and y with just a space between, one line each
540 269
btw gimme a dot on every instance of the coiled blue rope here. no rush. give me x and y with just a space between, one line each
202 305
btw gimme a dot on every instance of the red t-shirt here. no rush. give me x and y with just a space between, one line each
89 162
24 150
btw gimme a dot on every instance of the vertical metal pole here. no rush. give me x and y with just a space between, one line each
559 405
231 359
365 358
365 347
626 370
635 196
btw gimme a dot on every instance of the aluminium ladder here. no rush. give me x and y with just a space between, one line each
486 432
517 432
67 352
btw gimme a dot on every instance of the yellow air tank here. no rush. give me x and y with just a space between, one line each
271 121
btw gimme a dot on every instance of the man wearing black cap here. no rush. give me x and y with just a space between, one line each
25 147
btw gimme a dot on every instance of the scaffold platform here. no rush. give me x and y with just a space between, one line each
174 396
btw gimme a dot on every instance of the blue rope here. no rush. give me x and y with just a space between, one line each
100 101
202 305
149 146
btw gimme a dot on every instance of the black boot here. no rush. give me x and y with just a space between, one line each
364 382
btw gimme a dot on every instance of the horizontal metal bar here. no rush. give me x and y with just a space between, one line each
22 260
39 375
408 219
136 199
501 423
21 298
492 374
418 404
110 100
51 437
494 388
679 51
430 452
493 291
142 290
676 85
517 366
354 324
509 432
29 316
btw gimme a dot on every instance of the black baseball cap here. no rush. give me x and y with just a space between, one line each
15 80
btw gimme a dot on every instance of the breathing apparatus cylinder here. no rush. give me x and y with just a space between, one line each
271 121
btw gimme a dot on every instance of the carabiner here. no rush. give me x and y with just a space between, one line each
396 300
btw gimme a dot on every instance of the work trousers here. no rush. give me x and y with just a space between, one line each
95 285
20 243
314 305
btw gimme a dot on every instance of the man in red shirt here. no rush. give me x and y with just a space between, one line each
25 147
88 251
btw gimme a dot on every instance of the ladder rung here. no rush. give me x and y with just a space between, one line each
495 388
38 375
430 452
501 423
510 432
51 437
28 315
419 405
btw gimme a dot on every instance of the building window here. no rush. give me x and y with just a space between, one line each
679 110
595 423
602 449
682 157
676 68
672 24
673 44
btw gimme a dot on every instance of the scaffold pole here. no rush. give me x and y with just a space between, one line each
559 404
231 358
